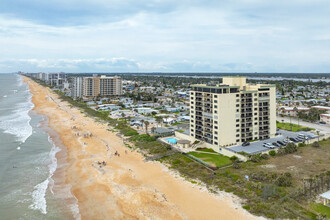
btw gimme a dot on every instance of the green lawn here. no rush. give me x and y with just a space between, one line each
212 159
322 209
206 150
295 127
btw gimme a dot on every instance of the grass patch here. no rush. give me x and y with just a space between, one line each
321 209
292 127
212 159
206 150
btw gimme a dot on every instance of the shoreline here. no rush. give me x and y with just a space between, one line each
57 180
127 187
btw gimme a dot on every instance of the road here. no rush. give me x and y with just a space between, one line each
324 129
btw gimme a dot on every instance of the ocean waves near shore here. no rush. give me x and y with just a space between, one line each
27 158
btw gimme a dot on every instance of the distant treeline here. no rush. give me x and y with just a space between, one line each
203 74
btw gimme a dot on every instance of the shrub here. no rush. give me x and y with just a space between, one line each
290 148
236 165
284 180
233 158
316 144
272 153
269 190
301 145
255 158
264 156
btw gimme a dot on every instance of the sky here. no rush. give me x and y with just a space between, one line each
165 36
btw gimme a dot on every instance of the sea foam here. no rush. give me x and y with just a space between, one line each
39 194
18 122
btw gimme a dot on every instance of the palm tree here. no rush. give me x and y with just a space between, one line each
142 122
295 109
146 123
318 136
159 120
123 115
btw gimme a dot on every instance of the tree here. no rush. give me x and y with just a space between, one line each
146 123
159 120
318 136
290 148
295 109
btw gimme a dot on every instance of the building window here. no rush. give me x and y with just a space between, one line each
237 105
237 130
237 120
215 132
255 113
215 137
237 110
255 94
215 101
215 111
255 118
237 95
255 123
216 122
237 125
237 140
237 135
215 127
255 109
216 143
215 96
215 106
192 103
237 100
255 99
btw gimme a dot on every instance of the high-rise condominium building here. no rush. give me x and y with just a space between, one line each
77 87
102 86
232 112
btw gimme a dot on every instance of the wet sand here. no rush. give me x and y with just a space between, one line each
127 187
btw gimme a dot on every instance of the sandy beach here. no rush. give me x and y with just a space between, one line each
126 187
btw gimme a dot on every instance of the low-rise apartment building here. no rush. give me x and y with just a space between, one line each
232 112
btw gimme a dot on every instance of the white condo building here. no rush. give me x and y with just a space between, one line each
232 112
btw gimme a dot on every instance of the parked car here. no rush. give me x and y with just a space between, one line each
246 144
322 122
265 144
275 144
281 143
270 146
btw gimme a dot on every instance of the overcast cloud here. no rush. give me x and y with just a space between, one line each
165 35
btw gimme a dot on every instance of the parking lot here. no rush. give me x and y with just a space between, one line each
257 146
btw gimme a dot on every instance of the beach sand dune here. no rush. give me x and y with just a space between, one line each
126 187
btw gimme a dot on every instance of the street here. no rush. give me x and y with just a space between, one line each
323 128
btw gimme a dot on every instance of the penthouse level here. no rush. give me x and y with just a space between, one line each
232 112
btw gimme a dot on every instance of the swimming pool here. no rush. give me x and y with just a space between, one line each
171 140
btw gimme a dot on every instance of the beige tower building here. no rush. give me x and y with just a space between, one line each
102 86
232 112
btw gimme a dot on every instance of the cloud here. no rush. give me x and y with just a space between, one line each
153 35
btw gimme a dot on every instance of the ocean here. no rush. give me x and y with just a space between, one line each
29 153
